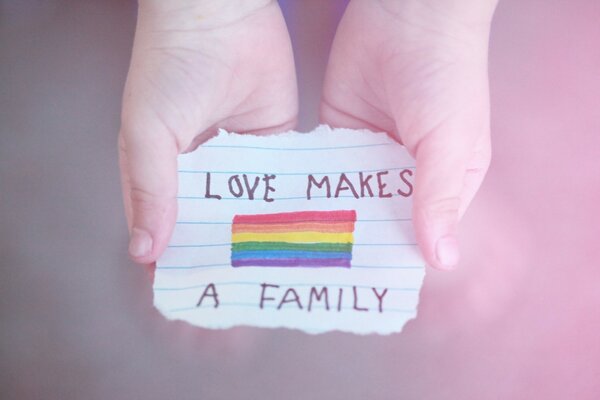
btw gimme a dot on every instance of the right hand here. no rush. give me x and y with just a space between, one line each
197 65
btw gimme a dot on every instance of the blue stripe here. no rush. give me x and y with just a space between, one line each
283 254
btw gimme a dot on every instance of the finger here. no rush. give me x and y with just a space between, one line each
356 118
125 185
149 173
477 168
440 178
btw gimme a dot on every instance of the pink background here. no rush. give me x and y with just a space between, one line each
520 319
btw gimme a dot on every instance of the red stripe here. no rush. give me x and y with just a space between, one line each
329 226
300 216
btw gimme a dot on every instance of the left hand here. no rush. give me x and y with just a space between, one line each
418 70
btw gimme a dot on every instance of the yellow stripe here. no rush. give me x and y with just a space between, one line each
294 237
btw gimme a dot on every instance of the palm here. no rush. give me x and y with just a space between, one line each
191 81
419 73
195 69
400 76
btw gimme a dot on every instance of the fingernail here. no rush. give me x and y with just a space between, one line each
140 243
447 252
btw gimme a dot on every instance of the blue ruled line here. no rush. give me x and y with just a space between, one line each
193 171
229 244
248 283
229 222
198 245
290 198
388 266
296 148
385 244
254 305
203 222
207 266
223 266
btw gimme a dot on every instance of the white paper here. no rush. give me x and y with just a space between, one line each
196 282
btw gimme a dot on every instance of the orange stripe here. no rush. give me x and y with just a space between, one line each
333 227
293 237
287 217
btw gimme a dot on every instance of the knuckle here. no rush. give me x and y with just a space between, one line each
145 201
480 162
444 209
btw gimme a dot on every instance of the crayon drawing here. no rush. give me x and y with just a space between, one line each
293 239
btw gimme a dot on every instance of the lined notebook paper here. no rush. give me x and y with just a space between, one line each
303 231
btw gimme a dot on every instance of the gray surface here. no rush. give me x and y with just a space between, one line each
76 316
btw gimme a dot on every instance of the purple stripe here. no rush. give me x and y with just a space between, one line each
292 262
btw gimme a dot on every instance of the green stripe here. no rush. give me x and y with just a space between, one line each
249 246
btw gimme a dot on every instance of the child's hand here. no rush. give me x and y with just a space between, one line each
418 69
197 65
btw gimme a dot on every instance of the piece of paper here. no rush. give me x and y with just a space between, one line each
305 231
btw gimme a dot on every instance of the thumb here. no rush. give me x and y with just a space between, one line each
148 160
444 186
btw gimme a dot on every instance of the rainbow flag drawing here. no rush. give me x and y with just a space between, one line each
293 239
